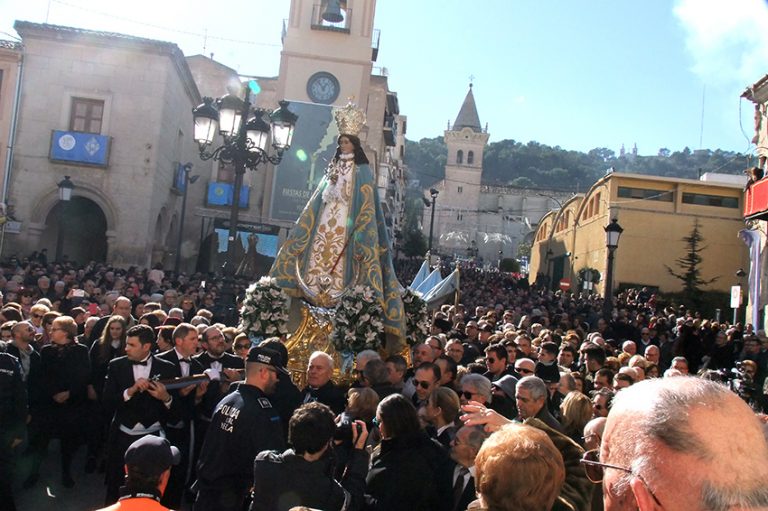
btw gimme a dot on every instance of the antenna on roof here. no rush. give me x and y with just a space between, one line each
471 79
205 42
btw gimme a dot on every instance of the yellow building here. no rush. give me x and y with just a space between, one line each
656 213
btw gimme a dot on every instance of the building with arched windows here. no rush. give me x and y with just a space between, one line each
655 213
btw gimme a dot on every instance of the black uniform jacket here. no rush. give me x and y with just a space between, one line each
244 424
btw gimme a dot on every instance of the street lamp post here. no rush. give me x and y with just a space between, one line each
432 193
245 134
65 195
612 234
188 180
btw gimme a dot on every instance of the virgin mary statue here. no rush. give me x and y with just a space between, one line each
340 239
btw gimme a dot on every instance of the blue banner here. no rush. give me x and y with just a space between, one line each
77 147
220 194
180 183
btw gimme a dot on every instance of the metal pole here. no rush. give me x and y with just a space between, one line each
432 224
608 302
228 297
177 263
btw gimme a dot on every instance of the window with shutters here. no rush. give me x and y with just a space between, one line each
86 115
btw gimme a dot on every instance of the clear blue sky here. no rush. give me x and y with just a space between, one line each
575 74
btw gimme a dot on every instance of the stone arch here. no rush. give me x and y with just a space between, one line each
47 201
76 230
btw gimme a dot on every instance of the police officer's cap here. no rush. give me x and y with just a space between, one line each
266 356
152 455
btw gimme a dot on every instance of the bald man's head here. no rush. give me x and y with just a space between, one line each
687 443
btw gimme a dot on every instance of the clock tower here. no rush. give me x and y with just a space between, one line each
327 52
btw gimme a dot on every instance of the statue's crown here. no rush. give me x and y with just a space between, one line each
349 119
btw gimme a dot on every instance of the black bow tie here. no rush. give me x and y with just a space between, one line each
141 363
186 360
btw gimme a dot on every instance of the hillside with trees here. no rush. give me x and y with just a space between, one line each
535 165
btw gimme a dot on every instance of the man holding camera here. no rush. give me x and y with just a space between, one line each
303 476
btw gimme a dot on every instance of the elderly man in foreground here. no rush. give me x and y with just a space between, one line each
673 443
669 444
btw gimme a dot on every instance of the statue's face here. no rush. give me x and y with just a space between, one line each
346 145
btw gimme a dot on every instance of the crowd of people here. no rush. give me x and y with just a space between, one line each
520 398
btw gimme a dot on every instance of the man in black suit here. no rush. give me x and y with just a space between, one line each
231 369
464 448
20 346
140 403
181 433
319 385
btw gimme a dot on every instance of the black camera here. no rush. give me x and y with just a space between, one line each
343 431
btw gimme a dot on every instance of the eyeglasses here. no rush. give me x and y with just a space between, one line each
421 383
523 370
242 346
36 316
216 338
595 470
376 422
467 395
491 360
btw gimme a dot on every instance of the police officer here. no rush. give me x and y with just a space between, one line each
13 415
243 424
148 463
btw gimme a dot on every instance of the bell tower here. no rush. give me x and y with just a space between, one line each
465 141
329 47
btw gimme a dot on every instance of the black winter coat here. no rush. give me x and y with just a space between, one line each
410 473
285 480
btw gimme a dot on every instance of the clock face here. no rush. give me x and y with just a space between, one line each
323 88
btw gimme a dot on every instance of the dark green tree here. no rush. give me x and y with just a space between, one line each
690 266
414 242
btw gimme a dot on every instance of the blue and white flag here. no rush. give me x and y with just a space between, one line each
421 275
427 284
444 289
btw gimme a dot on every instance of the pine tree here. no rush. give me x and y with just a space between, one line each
689 264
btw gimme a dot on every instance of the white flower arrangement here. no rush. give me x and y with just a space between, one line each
265 309
357 322
416 318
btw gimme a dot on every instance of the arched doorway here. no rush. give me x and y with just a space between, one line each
84 228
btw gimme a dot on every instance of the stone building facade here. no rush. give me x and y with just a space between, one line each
129 101
114 113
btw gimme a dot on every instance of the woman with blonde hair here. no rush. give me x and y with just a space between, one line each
441 411
576 411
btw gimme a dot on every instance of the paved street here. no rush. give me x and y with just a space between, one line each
49 495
